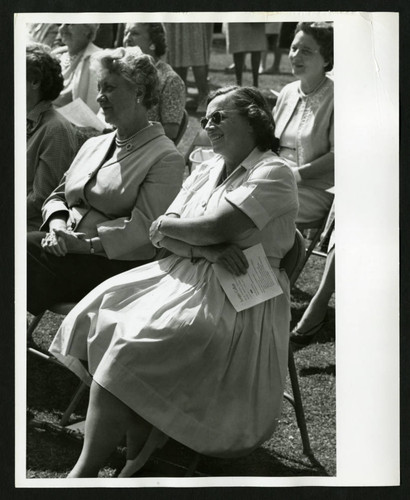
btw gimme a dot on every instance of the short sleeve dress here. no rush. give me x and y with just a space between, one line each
165 339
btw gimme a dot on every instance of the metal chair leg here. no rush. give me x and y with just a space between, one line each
73 404
298 405
193 465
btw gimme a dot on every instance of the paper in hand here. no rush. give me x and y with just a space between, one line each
256 286
78 113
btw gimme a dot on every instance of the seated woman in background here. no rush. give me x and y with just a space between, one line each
304 119
151 39
45 33
166 352
98 218
51 139
80 80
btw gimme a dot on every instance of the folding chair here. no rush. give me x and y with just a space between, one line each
182 127
62 308
201 140
322 251
291 263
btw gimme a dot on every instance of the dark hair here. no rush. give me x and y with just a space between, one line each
135 67
43 67
157 36
250 102
323 34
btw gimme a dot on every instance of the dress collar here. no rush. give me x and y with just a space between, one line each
38 110
254 157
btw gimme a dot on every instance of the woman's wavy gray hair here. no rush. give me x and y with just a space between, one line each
135 67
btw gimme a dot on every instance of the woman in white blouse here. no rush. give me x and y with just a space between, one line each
304 119
80 80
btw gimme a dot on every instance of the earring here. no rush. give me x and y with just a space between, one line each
152 47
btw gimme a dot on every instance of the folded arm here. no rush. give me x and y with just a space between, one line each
221 226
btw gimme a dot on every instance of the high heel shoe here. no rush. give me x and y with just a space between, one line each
155 440
303 339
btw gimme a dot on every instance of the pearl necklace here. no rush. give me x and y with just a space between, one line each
127 143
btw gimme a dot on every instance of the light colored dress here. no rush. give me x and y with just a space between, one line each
165 339
304 125
245 37
189 44
80 79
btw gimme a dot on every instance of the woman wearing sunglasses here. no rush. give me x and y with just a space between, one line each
167 355
304 119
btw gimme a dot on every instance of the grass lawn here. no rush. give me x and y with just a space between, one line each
49 387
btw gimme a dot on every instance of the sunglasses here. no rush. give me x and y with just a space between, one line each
216 117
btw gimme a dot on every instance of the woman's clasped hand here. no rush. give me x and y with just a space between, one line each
60 242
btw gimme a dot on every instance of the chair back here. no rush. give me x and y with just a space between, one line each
293 261
200 140
182 127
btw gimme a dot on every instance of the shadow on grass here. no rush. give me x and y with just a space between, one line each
46 459
318 370
51 387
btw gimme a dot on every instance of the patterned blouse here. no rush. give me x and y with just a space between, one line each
170 108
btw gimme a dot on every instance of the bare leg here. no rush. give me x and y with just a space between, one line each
182 72
276 63
239 60
255 61
201 80
316 311
262 66
108 420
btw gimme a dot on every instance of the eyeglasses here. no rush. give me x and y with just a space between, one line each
216 117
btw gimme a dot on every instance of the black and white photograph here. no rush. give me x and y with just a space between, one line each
185 320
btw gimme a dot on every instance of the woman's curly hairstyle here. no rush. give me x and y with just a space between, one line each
135 67
250 103
323 34
157 36
43 67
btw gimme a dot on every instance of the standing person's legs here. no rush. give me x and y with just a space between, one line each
255 61
276 63
239 60
201 80
182 72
